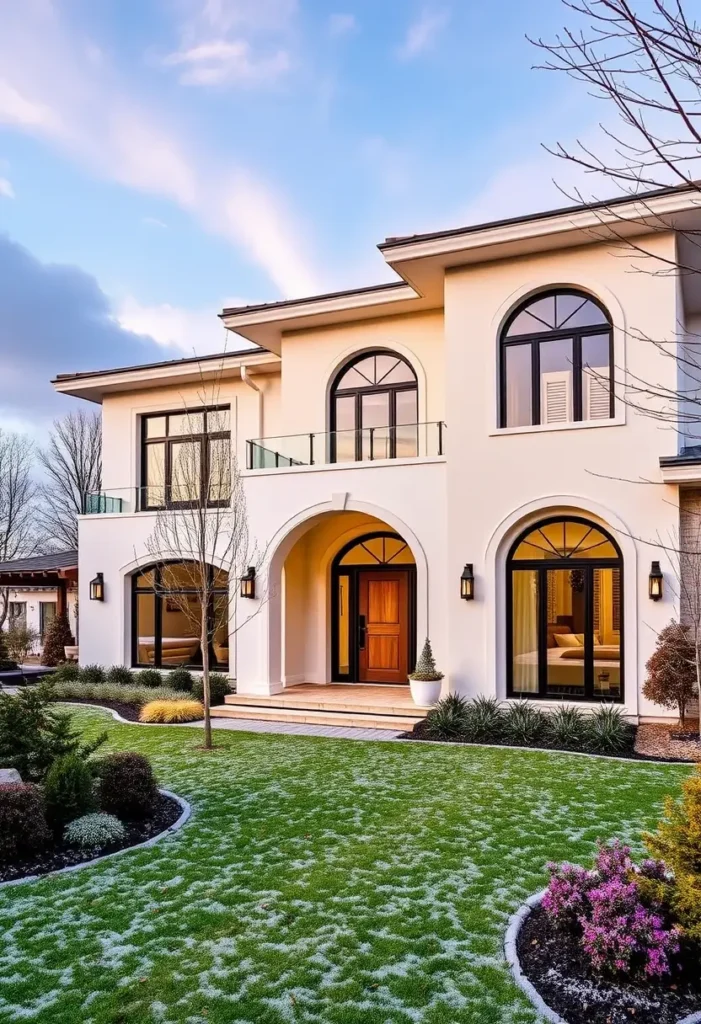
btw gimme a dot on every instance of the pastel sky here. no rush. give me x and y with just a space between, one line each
162 158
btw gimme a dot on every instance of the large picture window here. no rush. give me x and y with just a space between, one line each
186 459
166 617
374 409
565 613
556 361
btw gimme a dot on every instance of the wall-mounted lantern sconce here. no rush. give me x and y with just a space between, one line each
655 582
248 582
97 588
467 583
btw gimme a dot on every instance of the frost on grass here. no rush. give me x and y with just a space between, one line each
320 881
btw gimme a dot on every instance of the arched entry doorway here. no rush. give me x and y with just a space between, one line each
373 609
564 606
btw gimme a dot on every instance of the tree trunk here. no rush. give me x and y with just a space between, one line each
204 640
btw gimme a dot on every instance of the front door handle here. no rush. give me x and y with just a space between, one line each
361 632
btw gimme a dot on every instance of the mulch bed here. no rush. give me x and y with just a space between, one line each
419 733
554 965
166 813
128 711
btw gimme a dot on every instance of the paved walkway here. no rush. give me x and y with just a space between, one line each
300 729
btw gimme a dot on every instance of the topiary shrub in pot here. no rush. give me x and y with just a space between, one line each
425 681
127 785
23 828
68 791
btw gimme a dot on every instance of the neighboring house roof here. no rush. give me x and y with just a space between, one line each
251 350
57 562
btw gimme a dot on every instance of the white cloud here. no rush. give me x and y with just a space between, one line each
54 89
187 330
154 222
223 62
422 33
6 189
342 24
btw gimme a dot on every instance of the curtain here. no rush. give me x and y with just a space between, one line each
525 630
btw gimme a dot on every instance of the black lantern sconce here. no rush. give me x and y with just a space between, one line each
467 583
655 582
97 588
248 582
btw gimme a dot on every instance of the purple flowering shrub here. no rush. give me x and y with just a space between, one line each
620 931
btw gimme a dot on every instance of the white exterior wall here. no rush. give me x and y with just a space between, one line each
467 508
33 600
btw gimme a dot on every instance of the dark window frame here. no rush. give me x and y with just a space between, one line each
535 339
43 624
168 441
358 392
161 594
13 617
543 565
353 573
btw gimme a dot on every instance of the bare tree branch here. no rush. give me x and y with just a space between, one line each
72 465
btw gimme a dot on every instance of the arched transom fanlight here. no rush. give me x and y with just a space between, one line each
563 311
380 370
565 539
387 549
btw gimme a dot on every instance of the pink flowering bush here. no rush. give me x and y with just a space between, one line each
620 933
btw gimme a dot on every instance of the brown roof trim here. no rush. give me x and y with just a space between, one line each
282 303
157 366
392 242
40 565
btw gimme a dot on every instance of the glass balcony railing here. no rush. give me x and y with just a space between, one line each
403 441
150 498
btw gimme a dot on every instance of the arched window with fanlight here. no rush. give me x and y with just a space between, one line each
556 361
564 601
374 409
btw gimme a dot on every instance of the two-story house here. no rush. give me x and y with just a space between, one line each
462 432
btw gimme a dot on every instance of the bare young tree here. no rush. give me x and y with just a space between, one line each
72 465
17 504
203 526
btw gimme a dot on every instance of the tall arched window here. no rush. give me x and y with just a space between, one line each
556 361
374 409
166 623
565 612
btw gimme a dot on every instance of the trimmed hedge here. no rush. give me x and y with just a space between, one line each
68 791
218 689
127 785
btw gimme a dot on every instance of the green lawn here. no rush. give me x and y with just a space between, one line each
319 881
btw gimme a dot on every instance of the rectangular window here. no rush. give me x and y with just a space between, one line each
186 459
47 614
17 613
597 394
556 376
519 385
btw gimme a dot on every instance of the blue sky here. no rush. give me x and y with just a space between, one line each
179 155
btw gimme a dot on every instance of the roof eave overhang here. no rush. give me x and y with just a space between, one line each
93 387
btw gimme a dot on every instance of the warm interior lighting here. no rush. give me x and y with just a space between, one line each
467 583
655 582
97 588
248 582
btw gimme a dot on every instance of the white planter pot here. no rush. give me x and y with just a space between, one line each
70 653
425 693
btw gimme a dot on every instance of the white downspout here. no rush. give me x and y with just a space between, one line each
247 379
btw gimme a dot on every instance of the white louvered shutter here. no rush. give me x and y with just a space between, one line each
597 398
556 397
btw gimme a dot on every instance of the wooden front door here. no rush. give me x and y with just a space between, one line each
383 627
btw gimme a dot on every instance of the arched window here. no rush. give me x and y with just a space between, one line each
374 409
556 361
565 612
167 615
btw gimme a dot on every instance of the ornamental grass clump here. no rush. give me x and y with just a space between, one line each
607 732
485 720
448 719
523 724
621 930
93 831
566 728
172 711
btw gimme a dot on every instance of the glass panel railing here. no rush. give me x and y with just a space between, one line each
403 441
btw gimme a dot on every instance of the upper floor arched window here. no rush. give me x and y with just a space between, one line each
374 409
556 361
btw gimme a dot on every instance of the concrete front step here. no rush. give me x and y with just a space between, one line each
332 704
307 716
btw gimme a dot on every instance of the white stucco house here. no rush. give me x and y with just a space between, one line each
463 428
